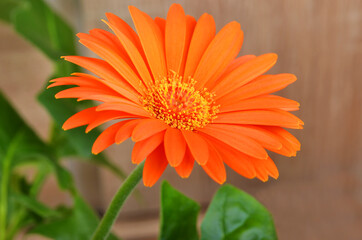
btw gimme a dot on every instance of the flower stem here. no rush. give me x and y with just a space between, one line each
114 208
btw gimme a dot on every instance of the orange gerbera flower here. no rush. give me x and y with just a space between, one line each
180 92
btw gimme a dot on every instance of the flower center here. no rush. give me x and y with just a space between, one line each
176 101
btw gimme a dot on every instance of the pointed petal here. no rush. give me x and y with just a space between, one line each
175 146
197 145
111 40
186 166
244 74
271 168
202 36
290 144
146 128
143 148
81 118
161 23
261 172
260 135
237 62
261 117
106 72
221 51
152 42
155 165
124 107
175 37
125 131
261 85
106 116
78 81
238 161
242 143
190 26
215 167
134 54
120 63
123 27
106 138
261 102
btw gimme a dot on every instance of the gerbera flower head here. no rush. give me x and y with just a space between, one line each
178 89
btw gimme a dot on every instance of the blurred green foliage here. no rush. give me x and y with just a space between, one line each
36 22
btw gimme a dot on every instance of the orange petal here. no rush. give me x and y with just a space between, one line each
261 117
105 116
175 38
155 165
146 128
143 148
119 63
111 40
290 144
262 136
100 97
190 26
152 42
238 161
286 135
123 27
186 166
261 85
261 102
271 168
237 62
107 137
175 146
221 51
81 118
215 167
125 131
83 92
161 23
197 145
135 55
244 74
261 171
124 107
202 36
106 72
242 143
79 81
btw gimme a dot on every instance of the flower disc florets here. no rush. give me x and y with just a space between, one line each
176 101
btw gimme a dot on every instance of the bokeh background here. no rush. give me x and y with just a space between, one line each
319 192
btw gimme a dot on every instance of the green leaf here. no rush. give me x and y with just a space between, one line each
76 139
39 24
235 215
178 215
11 126
78 224
34 205
30 146
6 8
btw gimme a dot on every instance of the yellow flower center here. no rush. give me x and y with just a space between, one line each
175 101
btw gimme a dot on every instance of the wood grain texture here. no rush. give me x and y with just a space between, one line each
318 195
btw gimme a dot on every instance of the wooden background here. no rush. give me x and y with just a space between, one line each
319 192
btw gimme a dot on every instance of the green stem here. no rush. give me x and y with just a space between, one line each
114 208
5 175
